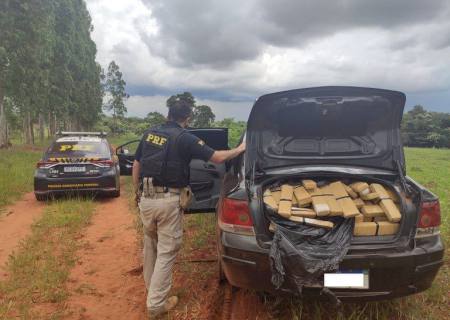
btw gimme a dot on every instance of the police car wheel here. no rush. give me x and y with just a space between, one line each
115 194
41 197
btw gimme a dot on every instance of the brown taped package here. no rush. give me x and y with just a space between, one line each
365 229
285 205
270 200
372 211
350 192
381 228
370 196
358 202
386 228
309 184
389 207
302 196
313 222
294 201
303 212
348 207
335 208
360 187
378 219
392 195
320 203
272 227
276 194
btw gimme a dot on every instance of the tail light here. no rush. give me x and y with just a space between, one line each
104 163
44 164
429 218
235 217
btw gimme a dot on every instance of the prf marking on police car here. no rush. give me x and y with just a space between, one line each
156 140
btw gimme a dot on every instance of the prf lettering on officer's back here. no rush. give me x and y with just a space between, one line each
156 140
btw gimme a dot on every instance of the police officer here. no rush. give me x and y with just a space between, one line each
161 166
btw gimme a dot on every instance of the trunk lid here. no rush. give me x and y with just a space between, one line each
347 126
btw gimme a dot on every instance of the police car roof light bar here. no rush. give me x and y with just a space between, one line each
81 134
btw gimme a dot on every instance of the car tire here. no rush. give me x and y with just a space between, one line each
222 277
115 194
41 197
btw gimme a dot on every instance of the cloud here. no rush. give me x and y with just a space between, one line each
233 51
219 33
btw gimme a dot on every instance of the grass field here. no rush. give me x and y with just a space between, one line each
16 172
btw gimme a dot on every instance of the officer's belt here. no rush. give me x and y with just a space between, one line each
165 190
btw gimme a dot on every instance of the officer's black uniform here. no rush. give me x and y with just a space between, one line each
165 152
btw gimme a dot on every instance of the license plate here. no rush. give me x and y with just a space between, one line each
74 169
347 279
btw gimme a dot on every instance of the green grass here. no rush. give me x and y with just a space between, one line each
431 168
119 140
16 173
39 270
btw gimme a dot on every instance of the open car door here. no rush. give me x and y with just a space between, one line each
126 153
205 178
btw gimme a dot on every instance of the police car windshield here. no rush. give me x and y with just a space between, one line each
79 147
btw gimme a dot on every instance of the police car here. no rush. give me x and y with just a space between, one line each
77 161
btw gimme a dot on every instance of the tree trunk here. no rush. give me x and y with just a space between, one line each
28 128
4 143
25 130
30 125
41 128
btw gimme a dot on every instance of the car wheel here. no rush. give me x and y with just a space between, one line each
115 194
41 197
222 277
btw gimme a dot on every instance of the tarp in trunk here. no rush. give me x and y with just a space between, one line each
300 254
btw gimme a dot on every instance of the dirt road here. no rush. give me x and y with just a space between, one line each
107 283
101 284
15 225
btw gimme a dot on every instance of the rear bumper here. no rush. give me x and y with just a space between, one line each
107 182
391 275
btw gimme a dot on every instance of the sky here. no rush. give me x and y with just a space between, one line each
228 53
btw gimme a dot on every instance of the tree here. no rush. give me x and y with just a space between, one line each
235 129
154 118
185 96
203 117
115 89
47 66
421 128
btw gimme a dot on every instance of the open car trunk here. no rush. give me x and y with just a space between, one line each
350 126
380 209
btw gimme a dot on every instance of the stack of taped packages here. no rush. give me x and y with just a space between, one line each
374 207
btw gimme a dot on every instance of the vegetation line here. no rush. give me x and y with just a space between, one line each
37 273
16 173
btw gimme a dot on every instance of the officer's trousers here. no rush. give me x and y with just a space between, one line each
162 219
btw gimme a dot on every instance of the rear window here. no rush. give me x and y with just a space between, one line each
79 148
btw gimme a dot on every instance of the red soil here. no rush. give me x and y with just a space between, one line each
107 283
101 284
15 225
